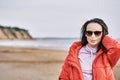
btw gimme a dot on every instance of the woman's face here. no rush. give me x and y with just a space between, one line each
93 34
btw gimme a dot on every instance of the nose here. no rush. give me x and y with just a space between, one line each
93 35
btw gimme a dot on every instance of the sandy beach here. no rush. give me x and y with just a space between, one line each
33 64
30 63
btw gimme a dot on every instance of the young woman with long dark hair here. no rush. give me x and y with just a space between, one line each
94 56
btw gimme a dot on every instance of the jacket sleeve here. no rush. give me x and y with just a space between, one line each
64 73
113 49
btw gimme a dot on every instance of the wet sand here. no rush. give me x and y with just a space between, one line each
34 64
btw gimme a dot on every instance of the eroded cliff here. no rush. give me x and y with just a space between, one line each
14 33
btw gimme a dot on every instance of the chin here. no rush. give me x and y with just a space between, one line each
93 45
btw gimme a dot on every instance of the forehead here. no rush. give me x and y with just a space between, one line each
94 27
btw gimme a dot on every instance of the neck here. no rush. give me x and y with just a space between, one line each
94 46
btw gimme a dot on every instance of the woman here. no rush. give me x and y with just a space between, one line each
94 56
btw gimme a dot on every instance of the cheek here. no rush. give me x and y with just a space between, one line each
99 38
88 39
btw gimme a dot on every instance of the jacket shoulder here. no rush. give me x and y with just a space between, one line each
76 44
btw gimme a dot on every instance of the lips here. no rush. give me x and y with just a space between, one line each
93 41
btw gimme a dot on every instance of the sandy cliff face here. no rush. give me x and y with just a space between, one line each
2 35
14 33
8 34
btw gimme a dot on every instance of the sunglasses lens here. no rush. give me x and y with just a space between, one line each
89 33
96 33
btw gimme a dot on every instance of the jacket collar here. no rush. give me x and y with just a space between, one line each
73 53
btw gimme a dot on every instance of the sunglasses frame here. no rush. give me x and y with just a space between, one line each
96 33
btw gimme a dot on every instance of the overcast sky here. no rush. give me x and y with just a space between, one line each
59 18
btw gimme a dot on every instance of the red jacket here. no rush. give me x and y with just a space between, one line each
102 65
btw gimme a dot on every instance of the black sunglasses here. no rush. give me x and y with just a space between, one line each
96 33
